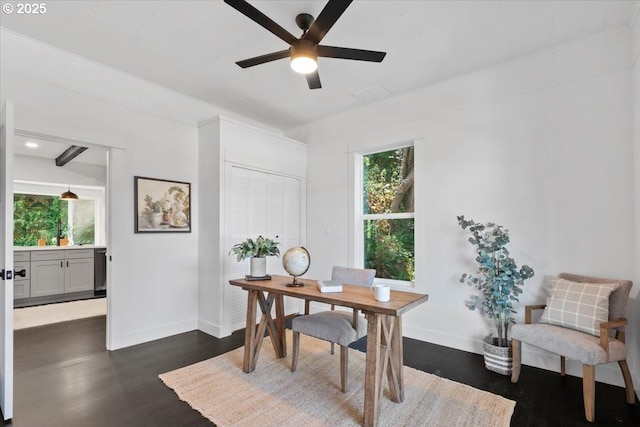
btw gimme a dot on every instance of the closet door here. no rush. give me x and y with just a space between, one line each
264 204
291 235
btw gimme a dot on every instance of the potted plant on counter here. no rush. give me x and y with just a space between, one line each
499 282
256 250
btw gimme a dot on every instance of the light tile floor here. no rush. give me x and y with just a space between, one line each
53 313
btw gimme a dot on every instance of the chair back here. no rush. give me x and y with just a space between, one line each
353 276
618 299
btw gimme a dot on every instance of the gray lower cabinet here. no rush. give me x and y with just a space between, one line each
47 277
79 272
47 273
22 285
61 271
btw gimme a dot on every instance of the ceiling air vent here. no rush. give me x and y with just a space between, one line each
371 93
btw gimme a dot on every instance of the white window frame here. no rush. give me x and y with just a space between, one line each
96 194
356 208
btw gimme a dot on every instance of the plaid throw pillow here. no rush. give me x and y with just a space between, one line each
579 306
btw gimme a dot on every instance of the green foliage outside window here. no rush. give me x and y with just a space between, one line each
390 254
36 216
388 189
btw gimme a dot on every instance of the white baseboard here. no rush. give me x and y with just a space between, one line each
531 356
223 331
146 335
212 329
440 338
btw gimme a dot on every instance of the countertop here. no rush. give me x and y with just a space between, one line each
50 247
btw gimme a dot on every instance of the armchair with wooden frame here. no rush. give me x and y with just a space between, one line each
335 326
588 348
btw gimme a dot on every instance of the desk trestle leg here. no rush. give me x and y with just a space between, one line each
255 333
384 355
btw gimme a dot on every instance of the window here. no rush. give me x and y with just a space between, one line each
35 217
387 215
82 219
37 209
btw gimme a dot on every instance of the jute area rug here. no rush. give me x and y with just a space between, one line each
272 395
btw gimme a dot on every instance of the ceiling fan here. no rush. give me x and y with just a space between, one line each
304 51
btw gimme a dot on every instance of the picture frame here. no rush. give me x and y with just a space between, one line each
161 205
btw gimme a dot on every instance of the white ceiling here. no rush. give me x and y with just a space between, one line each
192 46
48 149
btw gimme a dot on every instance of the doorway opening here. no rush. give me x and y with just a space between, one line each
60 246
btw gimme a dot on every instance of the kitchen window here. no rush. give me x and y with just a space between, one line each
37 209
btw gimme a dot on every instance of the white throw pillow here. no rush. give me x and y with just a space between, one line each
579 306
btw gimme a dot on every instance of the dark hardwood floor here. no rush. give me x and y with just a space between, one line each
65 377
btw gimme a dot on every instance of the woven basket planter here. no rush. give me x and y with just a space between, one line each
497 359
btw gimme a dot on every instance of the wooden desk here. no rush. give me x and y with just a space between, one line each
384 330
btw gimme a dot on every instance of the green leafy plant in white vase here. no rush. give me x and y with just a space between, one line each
256 250
498 279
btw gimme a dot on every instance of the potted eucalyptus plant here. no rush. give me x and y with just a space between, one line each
256 250
498 281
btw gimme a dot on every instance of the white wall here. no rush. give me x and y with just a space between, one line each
226 141
153 277
154 133
210 175
541 145
30 168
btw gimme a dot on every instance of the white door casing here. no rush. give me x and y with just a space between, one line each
6 260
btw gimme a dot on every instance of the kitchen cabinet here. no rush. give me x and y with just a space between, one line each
47 273
61 271
78 274
22 285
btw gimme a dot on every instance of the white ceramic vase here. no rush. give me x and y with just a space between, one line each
258 266
156 219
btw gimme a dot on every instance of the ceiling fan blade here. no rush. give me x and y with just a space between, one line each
257 60
348 53
329 15
260 18
313 79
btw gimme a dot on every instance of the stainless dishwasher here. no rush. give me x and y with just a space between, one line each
100 271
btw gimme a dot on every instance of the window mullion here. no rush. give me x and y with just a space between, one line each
397 215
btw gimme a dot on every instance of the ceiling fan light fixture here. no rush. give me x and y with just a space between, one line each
304 56
304 51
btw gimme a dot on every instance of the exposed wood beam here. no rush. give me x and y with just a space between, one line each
69 154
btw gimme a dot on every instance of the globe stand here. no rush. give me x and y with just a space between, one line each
294 284
296 261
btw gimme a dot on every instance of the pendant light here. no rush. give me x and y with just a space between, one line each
68 195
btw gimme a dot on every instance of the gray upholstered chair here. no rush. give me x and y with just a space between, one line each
335 326
573 343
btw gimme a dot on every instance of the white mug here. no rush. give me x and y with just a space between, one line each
382 293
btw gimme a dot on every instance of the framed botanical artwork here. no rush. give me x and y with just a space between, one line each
161 206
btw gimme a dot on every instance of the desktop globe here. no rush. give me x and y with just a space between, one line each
296 261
